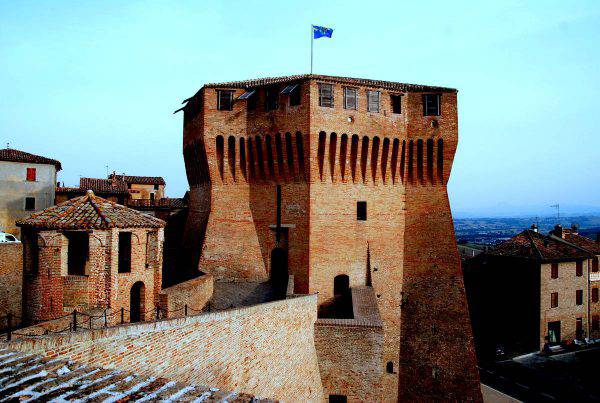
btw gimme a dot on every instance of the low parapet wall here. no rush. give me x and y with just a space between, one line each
11 286
193 294
267 349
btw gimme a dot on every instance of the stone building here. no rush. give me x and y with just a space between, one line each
534 288
340 182
89 253
27 183
142 187
109 189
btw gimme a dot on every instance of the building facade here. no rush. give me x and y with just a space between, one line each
27 184
89 253
142 187
533 289
332 178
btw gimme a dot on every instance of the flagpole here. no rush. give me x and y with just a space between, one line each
312 39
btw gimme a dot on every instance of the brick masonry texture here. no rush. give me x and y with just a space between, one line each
194 293
11 285
326 160
26 376
266 349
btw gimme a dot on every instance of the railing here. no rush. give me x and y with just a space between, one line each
85 321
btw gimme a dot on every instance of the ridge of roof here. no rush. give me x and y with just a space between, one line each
14 155
391 85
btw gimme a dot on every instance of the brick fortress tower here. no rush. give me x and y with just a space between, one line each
361 168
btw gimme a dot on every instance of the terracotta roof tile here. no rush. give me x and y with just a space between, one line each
389 85
533 245
12 155
103 185
583 242
146 180
89 212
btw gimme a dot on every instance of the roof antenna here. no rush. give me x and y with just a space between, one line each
106 170
7 146
557 207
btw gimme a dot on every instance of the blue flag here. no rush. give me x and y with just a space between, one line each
319 32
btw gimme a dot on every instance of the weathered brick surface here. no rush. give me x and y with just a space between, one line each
194 294
267 349
347 156
11 285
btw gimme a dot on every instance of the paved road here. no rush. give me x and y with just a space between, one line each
569 377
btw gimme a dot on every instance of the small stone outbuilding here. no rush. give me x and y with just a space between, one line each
89 253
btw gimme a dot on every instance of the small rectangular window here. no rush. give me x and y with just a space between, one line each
155 187
77 252
554 300
350 98
30 203
595 264
295 96
554 270
124 252
272 99
326 95
396 101
595 322
224 100
579 328
579 268
431 104
594 294
31 173
373 101
579 297
361 211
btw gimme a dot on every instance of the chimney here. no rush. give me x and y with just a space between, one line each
534 228
558 231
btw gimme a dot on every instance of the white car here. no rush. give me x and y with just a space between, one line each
8 238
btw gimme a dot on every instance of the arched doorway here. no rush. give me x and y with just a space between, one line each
137 302
279 271
341 285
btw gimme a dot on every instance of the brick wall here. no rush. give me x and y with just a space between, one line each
11 272
194 293
266 349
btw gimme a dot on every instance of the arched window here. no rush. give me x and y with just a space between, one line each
430 160
420 159
321 152
279 152
259 157
403 161
384 157
389 367
410 161
394 160
332 150
243 157
440 160
231 155
343 151
251 167
219 142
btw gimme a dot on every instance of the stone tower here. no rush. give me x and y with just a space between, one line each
362 167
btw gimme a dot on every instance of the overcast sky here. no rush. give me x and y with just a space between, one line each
96 84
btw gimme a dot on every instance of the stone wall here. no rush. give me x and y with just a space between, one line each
194 293
11 285
266 349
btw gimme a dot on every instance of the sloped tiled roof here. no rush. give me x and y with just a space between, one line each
145 180
533 245
103 185
12 155
89 212
389 85
583 242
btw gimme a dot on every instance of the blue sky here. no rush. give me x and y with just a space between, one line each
95 83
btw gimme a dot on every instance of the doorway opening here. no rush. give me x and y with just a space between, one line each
137 305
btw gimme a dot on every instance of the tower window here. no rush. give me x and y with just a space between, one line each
396 103
554 300
326 95
373 101
431 104
579 297
30 203
389 368
361 211
350 98
224 100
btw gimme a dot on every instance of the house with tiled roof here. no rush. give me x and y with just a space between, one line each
27 183
90 253
150 188
534 289
110 189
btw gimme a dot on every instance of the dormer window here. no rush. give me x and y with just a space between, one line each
224 100
431 104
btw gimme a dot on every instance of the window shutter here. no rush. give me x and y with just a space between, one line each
373 101
350 98
31 174
326 95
